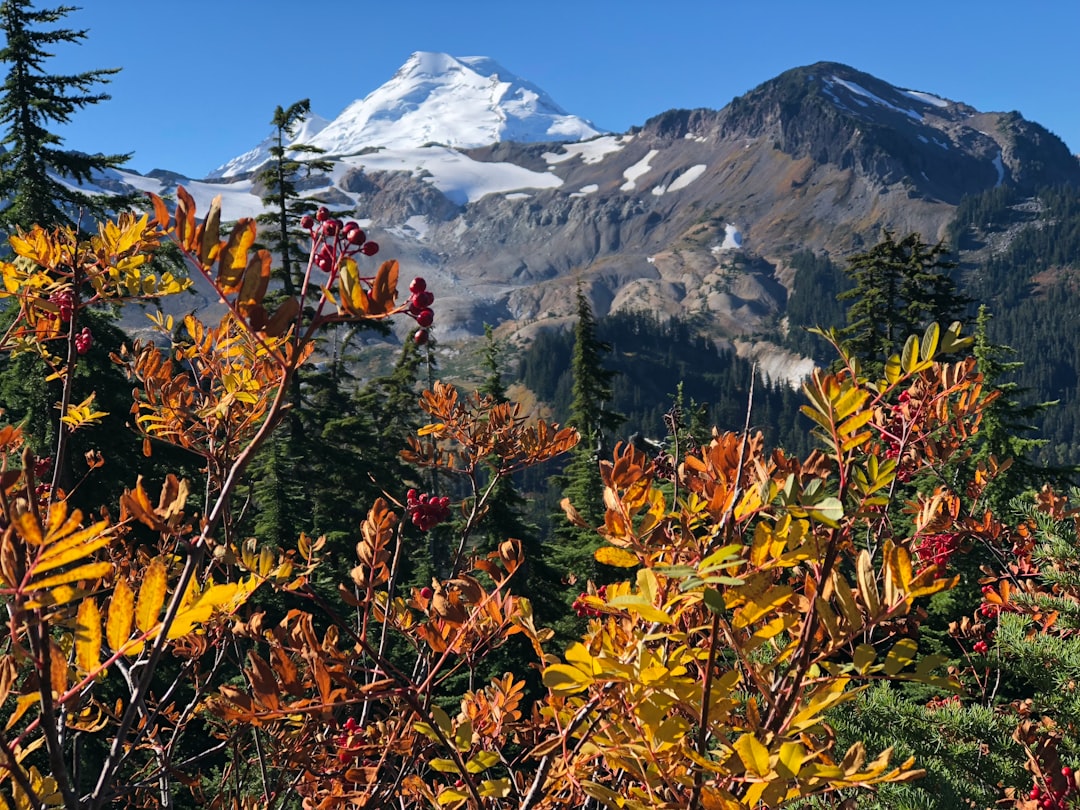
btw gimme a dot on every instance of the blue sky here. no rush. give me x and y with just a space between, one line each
201 78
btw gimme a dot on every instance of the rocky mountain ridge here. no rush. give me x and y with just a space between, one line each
694 213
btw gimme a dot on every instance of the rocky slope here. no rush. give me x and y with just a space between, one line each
693 213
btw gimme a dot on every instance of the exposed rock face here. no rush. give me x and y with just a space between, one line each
692 213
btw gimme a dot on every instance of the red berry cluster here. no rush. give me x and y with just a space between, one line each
347 742
65 302
982 646
582 607
938 548
1051 798
42 467
84 340
427 511
893 431
990 609
335 239
420 308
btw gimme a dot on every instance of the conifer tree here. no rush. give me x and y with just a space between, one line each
900 287
288 165
33 166
573 546
1007 430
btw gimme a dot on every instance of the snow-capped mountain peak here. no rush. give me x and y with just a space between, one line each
461 102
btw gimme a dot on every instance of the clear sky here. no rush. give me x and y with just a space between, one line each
201 78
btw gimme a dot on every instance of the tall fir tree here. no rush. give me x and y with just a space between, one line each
289 164
1007 429
572 546
37 176
900 287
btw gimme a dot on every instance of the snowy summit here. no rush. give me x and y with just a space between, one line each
460 102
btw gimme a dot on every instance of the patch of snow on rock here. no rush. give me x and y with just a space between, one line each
634 172
415 227
862 91
592 151
732 239
687 177
1000 169
926 98
775 364
591 188
459 177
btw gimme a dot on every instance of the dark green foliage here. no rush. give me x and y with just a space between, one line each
967 749
899 288
814 303
33 101
651 360
1030 285
591 413
280 179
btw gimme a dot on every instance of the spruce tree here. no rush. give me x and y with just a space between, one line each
289 164
900 288
34 167
573 546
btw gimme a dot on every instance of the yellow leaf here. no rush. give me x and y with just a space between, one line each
620 558
88 635
864 572
638 604
151 595
564 680
121 615
213 598
753 754
902 654
762 605
792 756
90 571
73 547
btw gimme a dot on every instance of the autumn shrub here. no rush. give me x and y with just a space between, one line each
762 591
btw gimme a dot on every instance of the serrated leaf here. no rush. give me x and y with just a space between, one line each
90 571
753 754
151 595
864 572
88 635
930 342
910 355
121 615
617 557
211 233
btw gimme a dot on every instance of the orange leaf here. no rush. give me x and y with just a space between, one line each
185 219
384 288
